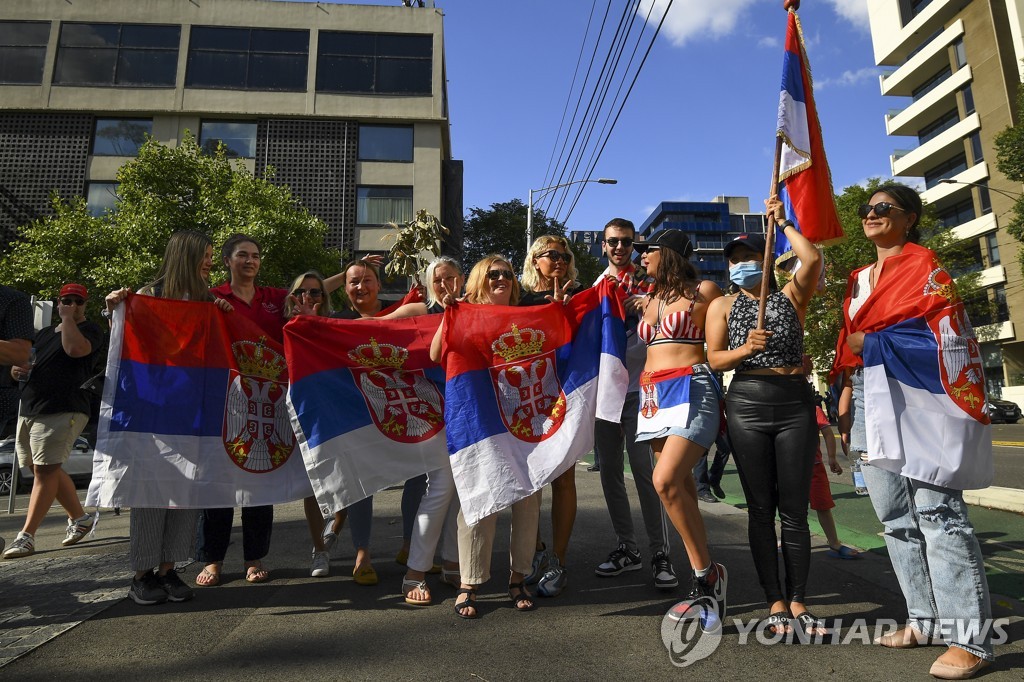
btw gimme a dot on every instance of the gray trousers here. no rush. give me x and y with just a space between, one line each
608 442
158 536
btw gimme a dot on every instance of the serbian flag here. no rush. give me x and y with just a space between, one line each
524 387
924 387
193 413
805 183
366 402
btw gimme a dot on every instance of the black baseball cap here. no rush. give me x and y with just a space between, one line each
752 241
669 239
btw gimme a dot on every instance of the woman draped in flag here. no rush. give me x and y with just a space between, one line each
914 403
679 403
160 537
770 406
548 275
493 282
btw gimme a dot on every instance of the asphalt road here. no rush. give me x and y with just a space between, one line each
1008 459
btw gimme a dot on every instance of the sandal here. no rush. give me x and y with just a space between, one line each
365 575
843 552
468 602
255 573
523 601
411 586
208 578
811 623
776 624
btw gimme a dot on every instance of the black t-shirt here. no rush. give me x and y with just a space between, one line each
346 315
54 384
531 298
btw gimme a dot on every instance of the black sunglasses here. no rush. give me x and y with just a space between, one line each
314 293
615 241
556 256
497 274
881 209
72 300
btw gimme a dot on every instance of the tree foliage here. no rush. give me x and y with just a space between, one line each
1010 162
163 190
423 234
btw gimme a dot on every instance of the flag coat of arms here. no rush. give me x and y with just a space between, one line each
805 183
366 403
924 387
193 413
524 387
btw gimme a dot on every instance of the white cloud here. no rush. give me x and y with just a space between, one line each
854 11
696 18
768 41
848 78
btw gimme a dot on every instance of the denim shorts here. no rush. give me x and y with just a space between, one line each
858 429
703 421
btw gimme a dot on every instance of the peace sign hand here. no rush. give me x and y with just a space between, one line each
449 298
561 291
301 307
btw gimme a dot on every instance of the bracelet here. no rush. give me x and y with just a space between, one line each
105 313
787 223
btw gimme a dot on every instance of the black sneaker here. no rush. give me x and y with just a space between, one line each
621 559
176 589
712 586
716 488
664 575
147 590
706 496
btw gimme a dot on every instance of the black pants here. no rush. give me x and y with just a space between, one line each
215 536
774 436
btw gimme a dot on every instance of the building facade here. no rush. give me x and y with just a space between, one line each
347 103
953 68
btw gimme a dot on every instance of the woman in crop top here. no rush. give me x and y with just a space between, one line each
679 405
771 413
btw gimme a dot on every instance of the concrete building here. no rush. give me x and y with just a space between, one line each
953 67
348 103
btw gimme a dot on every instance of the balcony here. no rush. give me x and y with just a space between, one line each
914 162
943 194
975 228
1000 331
894 46
911 75
992 276
927 109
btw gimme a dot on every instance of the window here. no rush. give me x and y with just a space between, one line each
957 215
23 51
239 137
1002 310
380 205
985 200
992 246
968 96
976 151
960 54
917 6
931 83
385 143
247 59
100 197
946 170
945 122
117 54
120 136
379 63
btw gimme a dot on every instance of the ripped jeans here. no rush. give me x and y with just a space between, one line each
936 557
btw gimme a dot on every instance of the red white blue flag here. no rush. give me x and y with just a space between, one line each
367 403
524 387
805 183
924 386
193 412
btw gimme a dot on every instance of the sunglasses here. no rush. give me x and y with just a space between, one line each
72 300
881 209
615 241
498 274
556 256
313 293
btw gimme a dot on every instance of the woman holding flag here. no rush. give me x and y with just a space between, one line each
914 403
770 406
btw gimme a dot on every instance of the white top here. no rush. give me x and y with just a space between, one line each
861 291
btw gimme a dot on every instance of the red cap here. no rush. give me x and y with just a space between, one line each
72 289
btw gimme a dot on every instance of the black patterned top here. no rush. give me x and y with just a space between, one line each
785 346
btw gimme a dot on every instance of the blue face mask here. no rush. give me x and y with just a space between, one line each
745 275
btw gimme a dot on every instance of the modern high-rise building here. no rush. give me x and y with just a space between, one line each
953 68
347 103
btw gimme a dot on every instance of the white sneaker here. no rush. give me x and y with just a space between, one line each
321 564
329 536
23 545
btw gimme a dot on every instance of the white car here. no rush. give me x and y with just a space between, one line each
78 466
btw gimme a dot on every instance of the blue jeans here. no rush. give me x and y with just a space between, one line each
936 557
360 522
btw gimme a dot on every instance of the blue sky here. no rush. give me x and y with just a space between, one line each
700 121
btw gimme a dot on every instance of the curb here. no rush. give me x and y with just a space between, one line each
994 497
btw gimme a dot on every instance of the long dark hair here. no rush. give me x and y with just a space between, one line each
676 276
909 199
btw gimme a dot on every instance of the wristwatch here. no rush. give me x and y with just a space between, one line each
105 313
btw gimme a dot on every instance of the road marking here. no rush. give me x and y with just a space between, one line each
1008 443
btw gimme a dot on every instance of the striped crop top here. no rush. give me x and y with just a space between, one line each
677 327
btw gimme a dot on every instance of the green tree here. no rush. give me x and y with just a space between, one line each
1010 162
163 190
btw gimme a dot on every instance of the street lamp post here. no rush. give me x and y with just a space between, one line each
529 210
951 181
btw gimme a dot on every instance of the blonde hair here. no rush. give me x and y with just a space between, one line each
325 300
178 276
476 283
531 277
429 277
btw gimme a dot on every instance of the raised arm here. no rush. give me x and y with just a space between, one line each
805 282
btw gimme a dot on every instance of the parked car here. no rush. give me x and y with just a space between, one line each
1003 411
78 466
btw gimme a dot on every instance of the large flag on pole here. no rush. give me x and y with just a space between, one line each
193 412
366 402
805 183
524 386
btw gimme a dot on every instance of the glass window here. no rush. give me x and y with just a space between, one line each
380 205
100 197
380 63
23 51
385 143
945 122
1002 310
960 54
992 246
117 54
239 137
931 83
968 96
985 200
247 59
945 170
958 214
976 151
120 136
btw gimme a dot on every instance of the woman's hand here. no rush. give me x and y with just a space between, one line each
834 465
223 305
449 298
757 341
114 298
775 207
561 291
300 307
855 341
374 259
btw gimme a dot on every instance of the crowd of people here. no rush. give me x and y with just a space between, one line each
683 332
